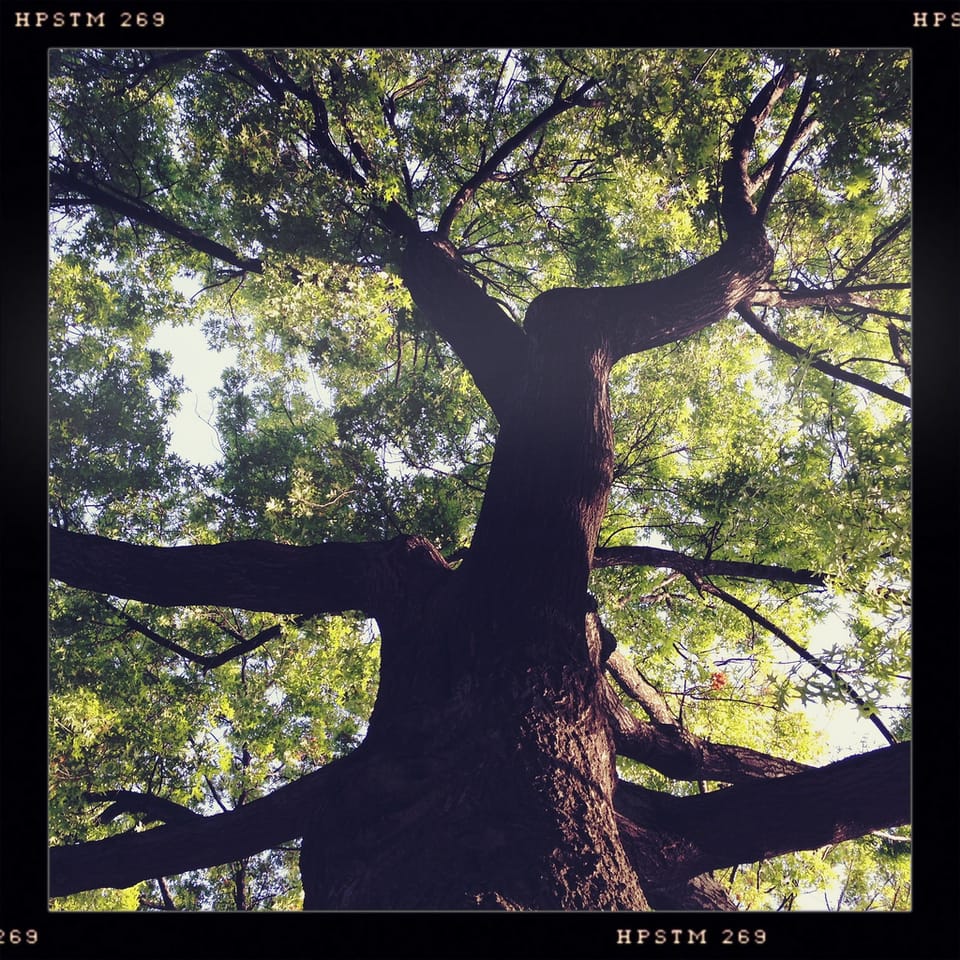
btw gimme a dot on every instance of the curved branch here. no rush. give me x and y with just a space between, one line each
828 368
152 808
761 819
657 557
637 317
211 660
250 574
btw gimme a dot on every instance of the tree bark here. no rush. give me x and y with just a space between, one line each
246 574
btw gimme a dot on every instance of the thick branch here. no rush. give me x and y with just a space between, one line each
697 893
637 317
492 347
137 211
250 575
656 557
762 819
681 755
197 842
830 369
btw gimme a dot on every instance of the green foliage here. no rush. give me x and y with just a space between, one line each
345 417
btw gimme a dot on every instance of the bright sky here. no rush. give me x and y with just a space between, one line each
194 437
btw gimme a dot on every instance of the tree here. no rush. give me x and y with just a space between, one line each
572 398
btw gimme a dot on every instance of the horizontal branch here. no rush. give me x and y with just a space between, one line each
657 557
249 575
151 807
835 297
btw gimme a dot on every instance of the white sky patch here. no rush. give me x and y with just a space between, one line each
193 435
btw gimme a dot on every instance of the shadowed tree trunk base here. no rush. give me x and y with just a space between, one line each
497 795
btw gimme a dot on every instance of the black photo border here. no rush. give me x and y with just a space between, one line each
931 32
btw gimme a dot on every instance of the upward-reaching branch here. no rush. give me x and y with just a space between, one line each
492 347
790 138
319 134
736 207
636 317
486 170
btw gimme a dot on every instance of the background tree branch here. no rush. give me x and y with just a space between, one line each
489 166
822 365
138 211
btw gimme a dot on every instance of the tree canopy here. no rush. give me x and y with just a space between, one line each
389 241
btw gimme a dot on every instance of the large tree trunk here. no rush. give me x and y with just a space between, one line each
487 777
484 787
